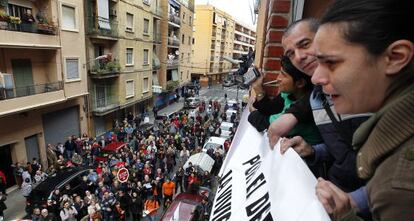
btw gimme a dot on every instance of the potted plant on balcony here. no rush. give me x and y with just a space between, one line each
44 25
4 19
14 20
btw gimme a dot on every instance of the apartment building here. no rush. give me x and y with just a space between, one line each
214 36
43 80
122 40
176 50
244 40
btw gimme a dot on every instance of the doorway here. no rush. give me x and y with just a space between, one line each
5 164
32 148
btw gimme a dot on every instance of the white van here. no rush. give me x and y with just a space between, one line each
213 143
226 128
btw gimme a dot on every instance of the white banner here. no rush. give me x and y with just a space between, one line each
260 184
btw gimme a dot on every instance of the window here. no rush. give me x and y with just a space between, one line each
193 41
188 58
182 56
190 21
183 16
145 85
129 56
129 22
68 17
189 40
146 26
146 57
182 39
72 69
129 88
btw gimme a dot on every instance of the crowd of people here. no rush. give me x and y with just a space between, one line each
154 157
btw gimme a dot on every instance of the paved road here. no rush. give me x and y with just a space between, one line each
217 92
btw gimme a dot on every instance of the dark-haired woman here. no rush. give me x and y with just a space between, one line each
365 50
294 87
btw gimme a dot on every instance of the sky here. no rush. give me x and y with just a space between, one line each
239 9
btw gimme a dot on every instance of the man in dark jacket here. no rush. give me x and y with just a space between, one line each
70 147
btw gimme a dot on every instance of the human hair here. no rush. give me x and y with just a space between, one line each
295 73
375 24
313 25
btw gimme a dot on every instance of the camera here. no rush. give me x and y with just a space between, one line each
251 75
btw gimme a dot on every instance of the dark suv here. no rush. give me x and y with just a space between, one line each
42 192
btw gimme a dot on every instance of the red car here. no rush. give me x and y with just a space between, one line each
184 205
111 148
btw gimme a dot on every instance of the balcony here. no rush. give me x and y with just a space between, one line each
103 105
174 19
173 41
41 35
157 38
105 70
25 98
213 47
171 64
102 28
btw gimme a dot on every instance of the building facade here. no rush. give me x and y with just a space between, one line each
43 80
214 39
175 50
126 35
244 40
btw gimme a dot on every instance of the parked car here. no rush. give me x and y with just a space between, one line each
43 191
213 143
109 149
184 205
233 105
230 112
166 116
192 102
228 83
226 129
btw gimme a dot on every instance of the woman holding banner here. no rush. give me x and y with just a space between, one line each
365 51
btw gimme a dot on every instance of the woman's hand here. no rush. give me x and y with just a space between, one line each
335 201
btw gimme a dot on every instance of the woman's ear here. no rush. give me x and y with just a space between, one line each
398 55
301 83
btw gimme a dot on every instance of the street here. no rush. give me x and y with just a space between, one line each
16 202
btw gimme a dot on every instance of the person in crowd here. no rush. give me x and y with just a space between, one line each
3 182
46 216
3 205
36 216
68 212
150 208
70 147
94 211
168 190
373 38
136 206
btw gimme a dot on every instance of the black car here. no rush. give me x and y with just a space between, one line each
42 192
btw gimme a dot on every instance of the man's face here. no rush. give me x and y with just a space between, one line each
298 47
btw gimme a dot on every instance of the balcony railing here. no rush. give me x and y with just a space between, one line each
157 38
101 27
38 28
105 70
173 63
105 103
174 19
30 90
173 41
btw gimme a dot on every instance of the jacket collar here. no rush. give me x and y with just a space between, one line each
384 132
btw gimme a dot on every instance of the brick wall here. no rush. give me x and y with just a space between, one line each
277 21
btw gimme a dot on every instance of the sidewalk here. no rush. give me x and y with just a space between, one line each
16 204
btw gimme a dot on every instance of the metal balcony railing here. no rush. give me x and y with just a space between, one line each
103 27
173 41
38 28
104 103
30 90
174 19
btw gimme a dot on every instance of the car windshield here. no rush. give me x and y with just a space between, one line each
225 127
211 146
